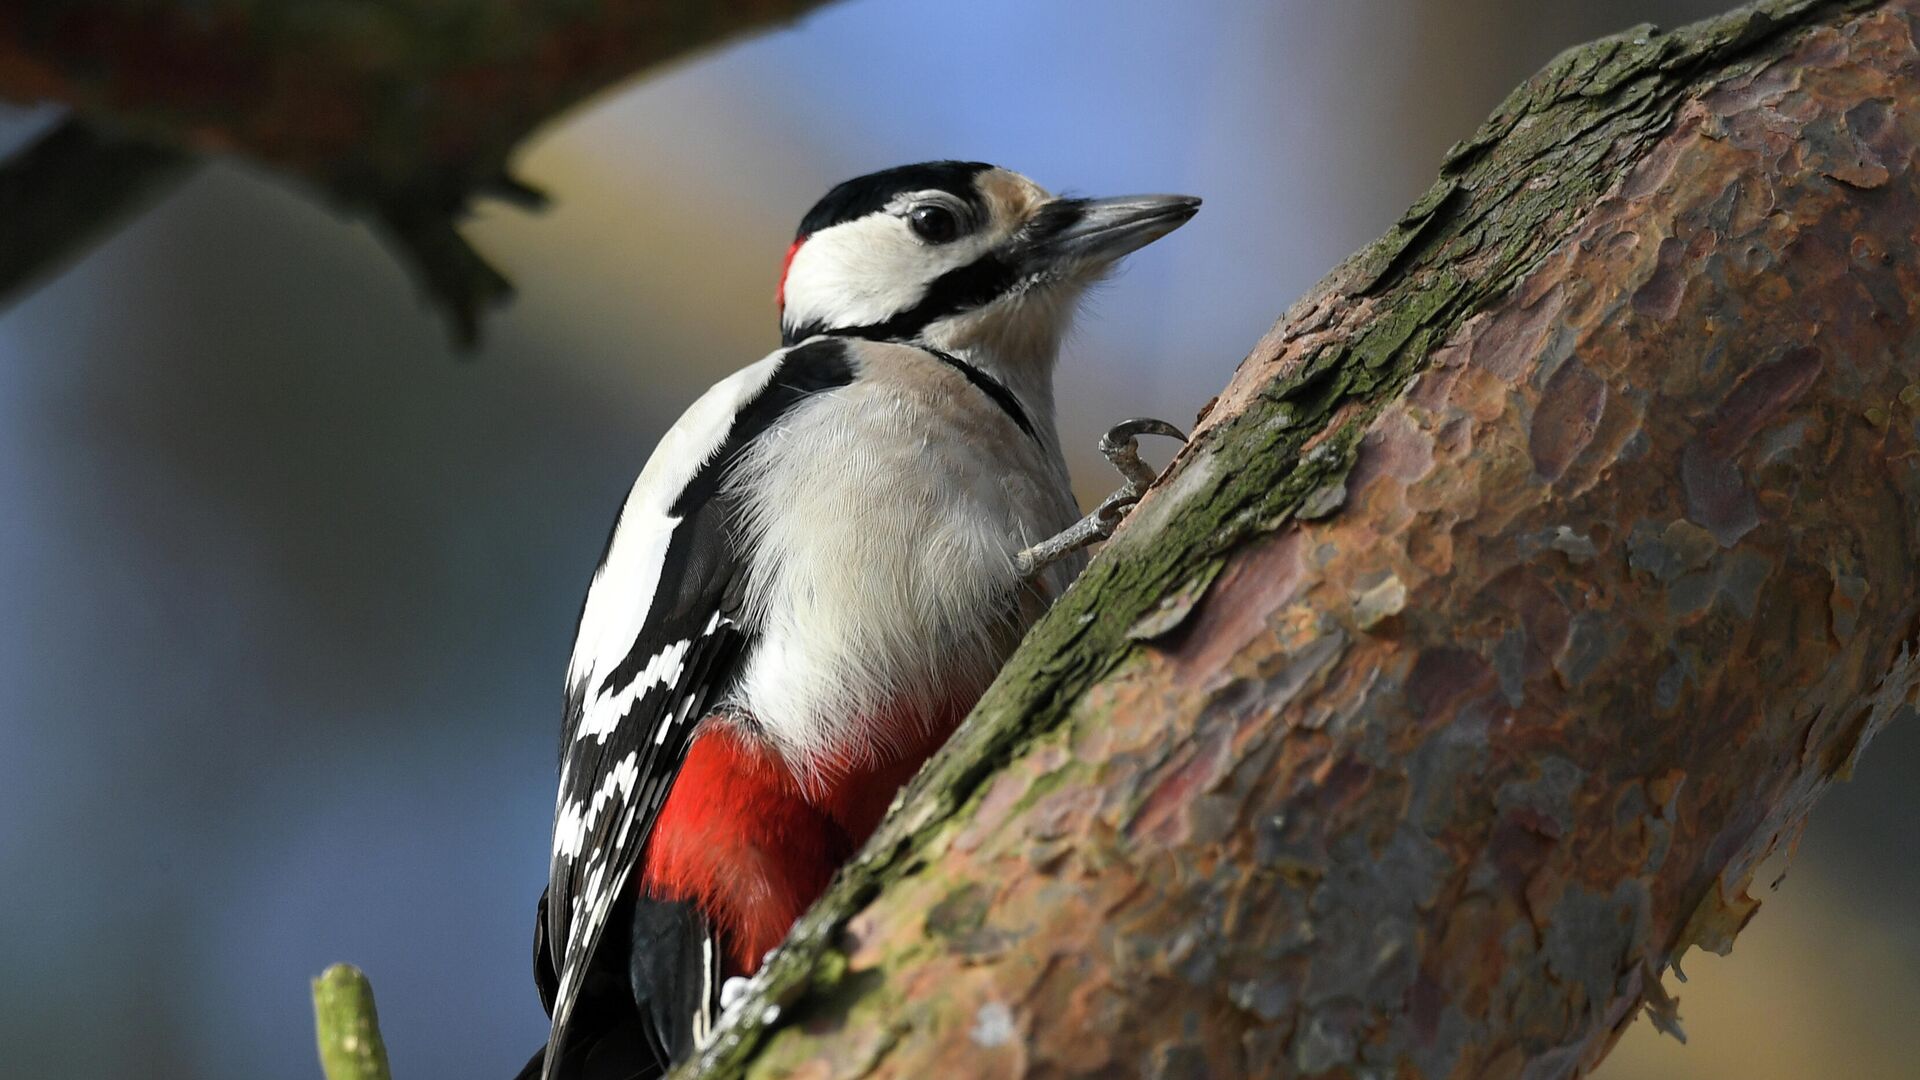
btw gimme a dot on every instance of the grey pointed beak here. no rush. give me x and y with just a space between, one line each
1096 232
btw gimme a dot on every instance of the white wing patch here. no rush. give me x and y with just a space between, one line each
604 714
570 829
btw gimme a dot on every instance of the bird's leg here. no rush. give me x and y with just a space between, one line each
1120 446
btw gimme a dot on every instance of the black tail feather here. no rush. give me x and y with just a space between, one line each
621 1052
655 969
675 969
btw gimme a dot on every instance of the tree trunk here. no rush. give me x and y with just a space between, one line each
1530 582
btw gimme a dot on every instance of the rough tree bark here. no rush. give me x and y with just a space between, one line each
1530 582
405 110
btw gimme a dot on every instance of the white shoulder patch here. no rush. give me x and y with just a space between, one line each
623 587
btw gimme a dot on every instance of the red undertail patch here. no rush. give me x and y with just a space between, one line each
742 838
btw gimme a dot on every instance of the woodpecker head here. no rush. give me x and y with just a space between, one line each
961 256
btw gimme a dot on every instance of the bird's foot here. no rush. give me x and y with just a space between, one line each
1120 446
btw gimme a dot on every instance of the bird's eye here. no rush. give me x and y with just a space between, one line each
934 224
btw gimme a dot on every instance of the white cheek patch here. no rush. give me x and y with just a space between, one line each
868 270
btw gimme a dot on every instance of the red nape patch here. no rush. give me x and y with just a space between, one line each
786 264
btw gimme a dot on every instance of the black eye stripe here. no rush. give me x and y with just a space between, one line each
974 285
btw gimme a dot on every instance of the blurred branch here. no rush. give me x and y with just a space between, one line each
66 190
404 111
1534 577
347 1026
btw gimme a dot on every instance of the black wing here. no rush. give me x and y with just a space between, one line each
637 696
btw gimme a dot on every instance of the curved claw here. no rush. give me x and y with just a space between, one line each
1126 431
1121 448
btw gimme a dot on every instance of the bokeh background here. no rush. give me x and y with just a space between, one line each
289 585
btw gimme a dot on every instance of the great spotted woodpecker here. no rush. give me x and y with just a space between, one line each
819 570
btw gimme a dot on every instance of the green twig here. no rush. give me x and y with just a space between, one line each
347 1026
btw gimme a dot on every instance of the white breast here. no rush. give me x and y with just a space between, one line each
886 516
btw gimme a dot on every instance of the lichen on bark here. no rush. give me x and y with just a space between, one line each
1528 584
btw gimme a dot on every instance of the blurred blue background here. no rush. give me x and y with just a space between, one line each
292 585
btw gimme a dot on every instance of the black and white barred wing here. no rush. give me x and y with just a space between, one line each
660 642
